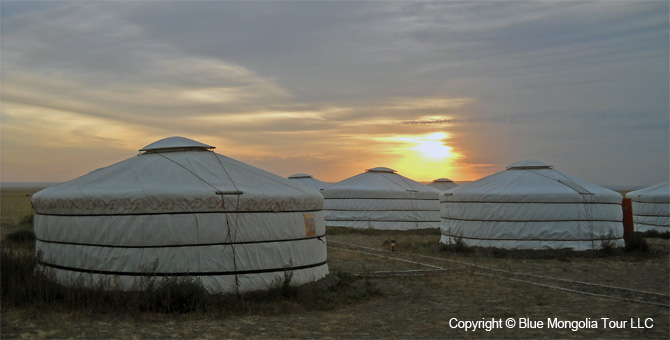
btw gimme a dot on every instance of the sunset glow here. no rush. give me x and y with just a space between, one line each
429 146
423 157
333 88
432 147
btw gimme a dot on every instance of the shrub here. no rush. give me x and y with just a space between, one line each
607 244
21 283
181 294
16 274
636 243
458 245
344 279
655 234
21 236
282 286
27 220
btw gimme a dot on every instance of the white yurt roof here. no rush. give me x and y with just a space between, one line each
378 182
531 205
186 181
175 144
194 211
651 207
532 181
442 184
656 193
308 180
380 198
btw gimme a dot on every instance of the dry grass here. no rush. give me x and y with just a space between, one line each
408 307
14 207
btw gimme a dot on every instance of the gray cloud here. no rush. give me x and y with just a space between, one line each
431 122
532 73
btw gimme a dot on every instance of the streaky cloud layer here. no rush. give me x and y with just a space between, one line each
331 88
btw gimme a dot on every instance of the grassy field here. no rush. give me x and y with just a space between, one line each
417 306
14 206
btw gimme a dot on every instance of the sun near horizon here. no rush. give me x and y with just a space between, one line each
421 157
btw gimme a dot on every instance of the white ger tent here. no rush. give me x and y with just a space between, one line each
180 209
651 207
308 180
443 184
532 206
380 198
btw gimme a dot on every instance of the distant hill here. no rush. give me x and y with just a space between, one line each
26 185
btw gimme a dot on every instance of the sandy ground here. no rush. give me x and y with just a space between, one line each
417 307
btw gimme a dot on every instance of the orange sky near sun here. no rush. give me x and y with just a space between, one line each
422 157
70 143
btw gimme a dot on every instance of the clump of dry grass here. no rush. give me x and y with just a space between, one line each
21 236
21 232
458 246
24 285
654 234
636 243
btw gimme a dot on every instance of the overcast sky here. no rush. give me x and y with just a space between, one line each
432 89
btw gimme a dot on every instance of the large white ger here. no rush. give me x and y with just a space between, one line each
532 206
380 198
180 209
651 208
